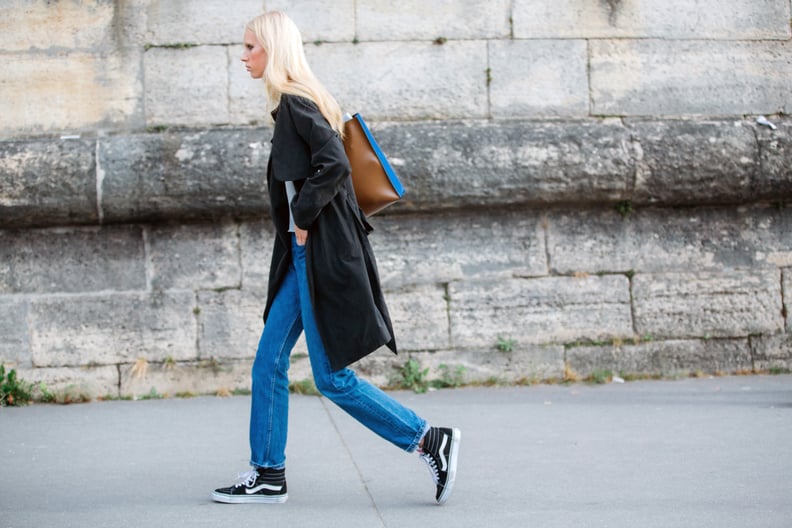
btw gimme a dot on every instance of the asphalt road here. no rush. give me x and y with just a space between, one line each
691 453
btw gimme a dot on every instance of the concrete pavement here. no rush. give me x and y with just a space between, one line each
695 452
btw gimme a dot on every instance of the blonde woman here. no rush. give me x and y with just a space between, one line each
323 278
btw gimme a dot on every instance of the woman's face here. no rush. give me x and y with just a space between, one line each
254 56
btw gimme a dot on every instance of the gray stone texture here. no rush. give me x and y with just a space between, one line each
194 256
198 21
59 91
72 260
771 352
663 358
774 177
404 79
456 283
319 20
429 19
229 323
527 79
15 340
90 381
652 240
485 164
256 238
184 174
684 162
430 249
27 25
543 310
186 86
709 304
181 174
189 378
523 364
675 78
787 291
142 63
48 181
112 328
420 317
673 19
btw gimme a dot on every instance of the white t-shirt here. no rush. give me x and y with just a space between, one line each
290 192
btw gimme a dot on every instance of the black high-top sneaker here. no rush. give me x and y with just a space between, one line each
257 485
439 451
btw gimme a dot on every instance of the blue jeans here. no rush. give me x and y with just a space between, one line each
291 313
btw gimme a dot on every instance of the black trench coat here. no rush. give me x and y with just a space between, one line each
348 303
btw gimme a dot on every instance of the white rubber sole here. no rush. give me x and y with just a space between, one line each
456 436
249 499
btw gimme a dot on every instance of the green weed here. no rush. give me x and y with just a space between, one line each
14 391
450 379
411 377
505 345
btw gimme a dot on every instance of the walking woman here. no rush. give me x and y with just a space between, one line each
323 278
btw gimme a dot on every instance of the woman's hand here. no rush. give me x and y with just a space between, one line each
301 235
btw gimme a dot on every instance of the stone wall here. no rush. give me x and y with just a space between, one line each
588 188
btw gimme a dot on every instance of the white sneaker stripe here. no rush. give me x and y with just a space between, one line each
268 487
444 465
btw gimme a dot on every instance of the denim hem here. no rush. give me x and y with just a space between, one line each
412 447
259 466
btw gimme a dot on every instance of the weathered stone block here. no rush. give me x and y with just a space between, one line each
90 381
112 328
685 162
420 317
194 256
194 377
14 334
524 363
674 19
773 180
229 324
772 352
464 164
50 181
256 239
404 80
663 358
653 240
186 86
199 22
707 304
527 79
319 20
184 174
681 77
72 260
69 92
544 310
769 237
380 368
442 248
429 19
34 25
786 285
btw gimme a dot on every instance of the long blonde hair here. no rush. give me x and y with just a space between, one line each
287 70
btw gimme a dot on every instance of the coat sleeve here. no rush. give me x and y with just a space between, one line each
329 163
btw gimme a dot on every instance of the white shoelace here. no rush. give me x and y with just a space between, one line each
432 465
247 478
